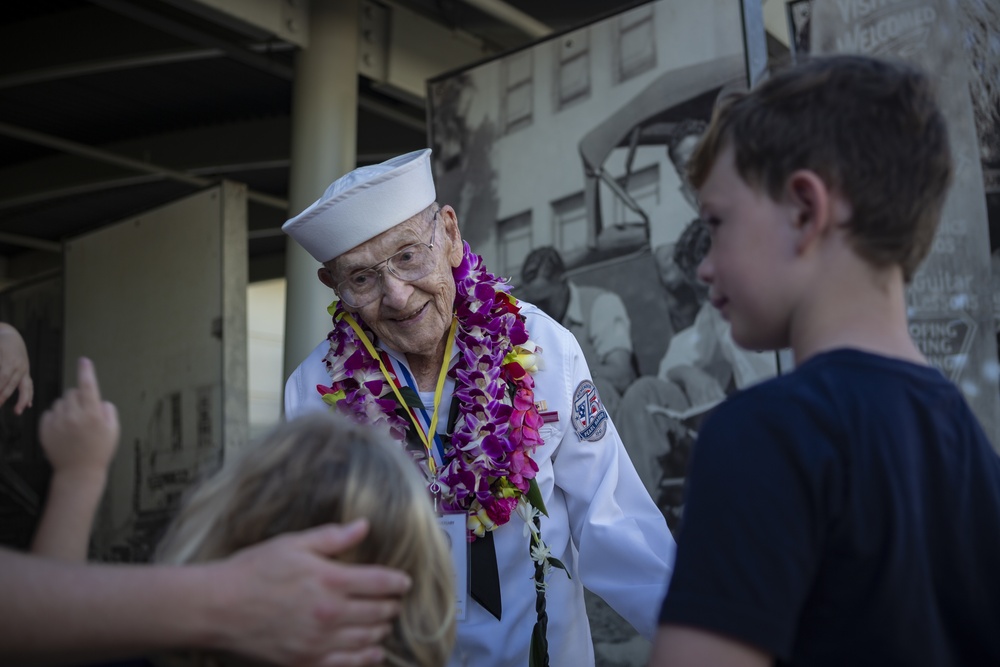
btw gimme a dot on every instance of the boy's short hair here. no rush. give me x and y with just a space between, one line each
871 129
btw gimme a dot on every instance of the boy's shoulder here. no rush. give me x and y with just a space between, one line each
829 397
829 372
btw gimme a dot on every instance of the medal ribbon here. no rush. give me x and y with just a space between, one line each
395 390
405 378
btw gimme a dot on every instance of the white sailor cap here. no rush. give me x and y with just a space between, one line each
362 204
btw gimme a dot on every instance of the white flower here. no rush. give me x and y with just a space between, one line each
527 512
540 553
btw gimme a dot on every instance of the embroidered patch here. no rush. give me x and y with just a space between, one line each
590 418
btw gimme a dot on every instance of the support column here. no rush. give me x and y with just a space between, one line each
324 147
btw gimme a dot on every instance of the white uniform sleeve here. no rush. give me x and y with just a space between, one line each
301 395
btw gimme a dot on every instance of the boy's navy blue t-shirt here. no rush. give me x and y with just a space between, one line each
845 514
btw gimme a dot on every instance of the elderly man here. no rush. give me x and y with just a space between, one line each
494 400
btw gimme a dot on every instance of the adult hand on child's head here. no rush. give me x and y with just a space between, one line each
14 369
79 433
286 601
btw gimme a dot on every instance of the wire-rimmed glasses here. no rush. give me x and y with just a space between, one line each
411 263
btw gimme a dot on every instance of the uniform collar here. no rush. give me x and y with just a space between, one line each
400 358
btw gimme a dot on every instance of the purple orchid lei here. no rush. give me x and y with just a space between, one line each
488 465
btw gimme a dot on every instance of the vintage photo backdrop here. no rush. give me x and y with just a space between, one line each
954 301
564 161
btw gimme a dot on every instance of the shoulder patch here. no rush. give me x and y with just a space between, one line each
590 417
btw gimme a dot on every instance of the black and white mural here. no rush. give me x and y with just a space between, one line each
565 162
954 301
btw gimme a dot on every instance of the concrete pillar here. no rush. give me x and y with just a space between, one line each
324 147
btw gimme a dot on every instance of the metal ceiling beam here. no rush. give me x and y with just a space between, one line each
388 112
119 64
246 56
30 242
53 194
82 150
197 36
512 16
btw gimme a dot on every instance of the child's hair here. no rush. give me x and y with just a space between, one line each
320 469
871 129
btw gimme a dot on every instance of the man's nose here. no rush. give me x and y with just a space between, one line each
395 291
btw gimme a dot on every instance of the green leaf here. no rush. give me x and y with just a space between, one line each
411 397
535 497
555 562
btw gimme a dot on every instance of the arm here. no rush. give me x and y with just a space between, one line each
616 367
700 387
679 646
283 601
79 435
696 346
611 336
14 368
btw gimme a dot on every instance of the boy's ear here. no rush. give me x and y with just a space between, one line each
810 202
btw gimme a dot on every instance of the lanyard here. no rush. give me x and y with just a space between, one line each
403 372
399 397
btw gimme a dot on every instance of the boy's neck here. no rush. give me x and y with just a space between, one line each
863 308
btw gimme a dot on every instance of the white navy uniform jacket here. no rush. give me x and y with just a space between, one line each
601 522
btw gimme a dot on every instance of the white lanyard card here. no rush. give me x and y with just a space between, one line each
454 533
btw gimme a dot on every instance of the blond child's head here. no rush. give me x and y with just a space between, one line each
323 469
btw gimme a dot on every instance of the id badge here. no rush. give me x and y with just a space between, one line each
453 526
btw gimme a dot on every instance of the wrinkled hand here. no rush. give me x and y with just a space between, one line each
14 369
286 602
79 433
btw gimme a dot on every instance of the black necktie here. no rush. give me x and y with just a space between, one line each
485 578
485 588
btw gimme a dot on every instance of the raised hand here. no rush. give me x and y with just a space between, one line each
79 434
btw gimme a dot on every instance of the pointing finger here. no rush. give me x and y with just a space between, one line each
86 381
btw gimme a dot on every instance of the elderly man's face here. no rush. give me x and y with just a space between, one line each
410 317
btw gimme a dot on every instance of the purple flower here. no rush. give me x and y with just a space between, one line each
489 454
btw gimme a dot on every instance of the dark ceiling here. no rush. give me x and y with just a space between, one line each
156 86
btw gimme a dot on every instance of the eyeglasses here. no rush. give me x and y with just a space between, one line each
411 263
